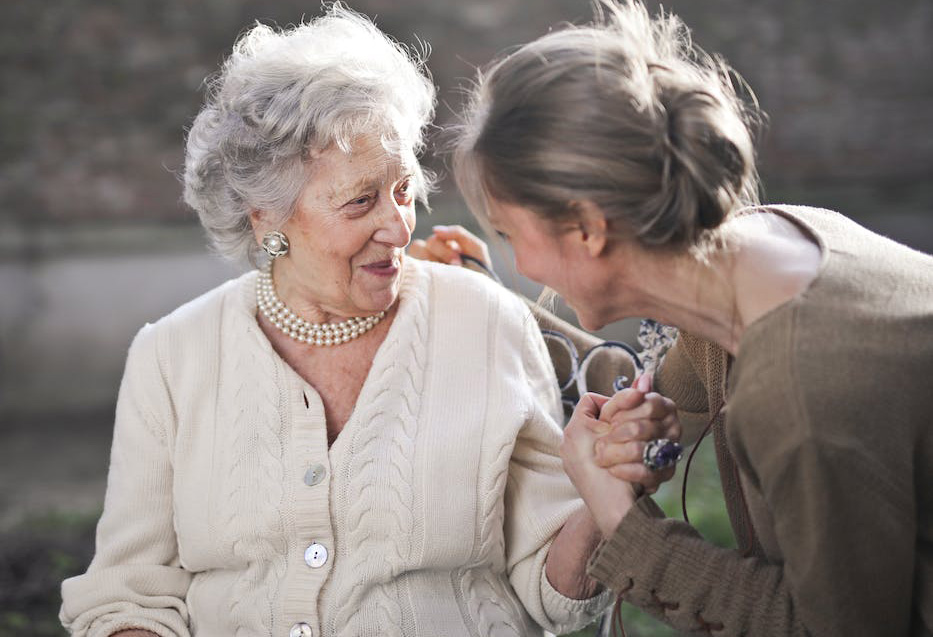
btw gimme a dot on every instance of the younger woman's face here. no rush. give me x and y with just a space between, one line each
536 247
553 256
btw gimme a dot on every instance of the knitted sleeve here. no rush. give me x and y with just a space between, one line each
134 580
539 499
666 568
679 379
842 511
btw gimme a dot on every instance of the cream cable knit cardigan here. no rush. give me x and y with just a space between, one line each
438 502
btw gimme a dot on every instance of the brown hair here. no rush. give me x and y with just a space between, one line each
625 112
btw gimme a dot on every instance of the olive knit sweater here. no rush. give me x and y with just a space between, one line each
826 455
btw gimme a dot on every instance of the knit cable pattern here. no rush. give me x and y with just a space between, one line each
257 479
489 603
485 595
378 499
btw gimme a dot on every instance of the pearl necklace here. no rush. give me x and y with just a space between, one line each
301 330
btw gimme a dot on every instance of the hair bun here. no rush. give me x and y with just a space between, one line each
706 153
626 113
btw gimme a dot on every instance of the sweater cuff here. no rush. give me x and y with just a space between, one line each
111 626
569 614
635 536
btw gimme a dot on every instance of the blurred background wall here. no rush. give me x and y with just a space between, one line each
94 239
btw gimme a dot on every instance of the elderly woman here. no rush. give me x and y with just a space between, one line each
618 161
345 442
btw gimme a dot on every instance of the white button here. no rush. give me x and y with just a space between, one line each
316 555
300 629
315 474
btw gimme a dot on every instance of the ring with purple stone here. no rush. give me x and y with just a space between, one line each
661 454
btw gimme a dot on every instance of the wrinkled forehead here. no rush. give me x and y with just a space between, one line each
379 153
366 147
368 161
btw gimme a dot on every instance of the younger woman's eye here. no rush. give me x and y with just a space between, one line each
502 235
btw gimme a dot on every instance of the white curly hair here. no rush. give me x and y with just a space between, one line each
284 94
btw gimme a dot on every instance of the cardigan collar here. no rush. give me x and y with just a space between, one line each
398 365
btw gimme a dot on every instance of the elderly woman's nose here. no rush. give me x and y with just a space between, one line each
395 225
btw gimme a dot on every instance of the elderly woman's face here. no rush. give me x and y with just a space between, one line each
347 237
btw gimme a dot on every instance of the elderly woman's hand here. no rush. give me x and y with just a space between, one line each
636 416
603 446
607 497
447 244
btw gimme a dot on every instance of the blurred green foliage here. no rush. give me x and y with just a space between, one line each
35 556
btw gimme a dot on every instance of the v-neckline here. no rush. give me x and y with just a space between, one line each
378 363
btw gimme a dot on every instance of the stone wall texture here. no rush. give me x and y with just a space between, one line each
96 95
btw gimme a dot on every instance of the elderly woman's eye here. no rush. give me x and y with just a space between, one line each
403 194
362 201
502 235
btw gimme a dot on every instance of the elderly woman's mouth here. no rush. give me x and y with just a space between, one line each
386 268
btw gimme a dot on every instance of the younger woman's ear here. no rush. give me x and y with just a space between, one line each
593 226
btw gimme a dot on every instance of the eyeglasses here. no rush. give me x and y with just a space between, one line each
653 337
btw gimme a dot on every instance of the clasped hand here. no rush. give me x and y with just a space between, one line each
604 444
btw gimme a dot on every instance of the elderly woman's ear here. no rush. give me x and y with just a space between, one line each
256 219
260 223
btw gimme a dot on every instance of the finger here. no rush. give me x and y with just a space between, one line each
458 233
587 412
470 244
578 437
671 427
656 478
636 473
623 401
591 404
652 406
419 250
609 454
444 251
644 382
642 429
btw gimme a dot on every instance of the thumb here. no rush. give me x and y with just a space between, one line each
591 404
587 412
622 401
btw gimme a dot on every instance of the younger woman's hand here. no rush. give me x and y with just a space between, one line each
446 245
632 418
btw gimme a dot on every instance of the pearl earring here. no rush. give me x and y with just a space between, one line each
275 243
